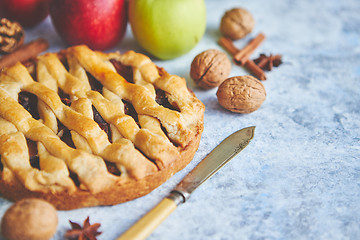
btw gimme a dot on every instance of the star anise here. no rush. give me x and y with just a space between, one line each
268 62
86 232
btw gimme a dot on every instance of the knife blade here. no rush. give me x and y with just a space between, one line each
211 164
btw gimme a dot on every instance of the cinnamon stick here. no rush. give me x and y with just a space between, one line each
243 55
25 52
228 45
255 69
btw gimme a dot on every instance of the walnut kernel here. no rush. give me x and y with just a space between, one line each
243 94
11 35
210 68
30 219
237 23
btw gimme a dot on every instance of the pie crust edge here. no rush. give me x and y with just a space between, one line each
14 190
118 194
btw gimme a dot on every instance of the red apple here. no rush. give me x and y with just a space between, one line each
100 24
27 12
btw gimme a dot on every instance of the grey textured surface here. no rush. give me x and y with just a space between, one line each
300 176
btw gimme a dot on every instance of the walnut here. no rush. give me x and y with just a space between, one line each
237 23
11 35
243 94
210 68
87 231
31 219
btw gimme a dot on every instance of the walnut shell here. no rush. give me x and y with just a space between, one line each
210 68
30 219
243 94
237 23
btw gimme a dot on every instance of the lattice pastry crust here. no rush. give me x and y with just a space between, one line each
82 128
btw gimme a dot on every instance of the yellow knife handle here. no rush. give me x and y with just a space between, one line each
147 224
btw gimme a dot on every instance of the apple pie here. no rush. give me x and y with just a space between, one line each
82 128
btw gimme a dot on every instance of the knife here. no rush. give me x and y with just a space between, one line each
212 163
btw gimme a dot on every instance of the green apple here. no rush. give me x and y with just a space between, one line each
167 28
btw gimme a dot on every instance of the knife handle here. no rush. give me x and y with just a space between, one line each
147 224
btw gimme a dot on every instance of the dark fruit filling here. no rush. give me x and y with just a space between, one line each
111 167
125 71
1 165
34 162
94 83
65 135
29 101
130 110
64 61
162 100
102 123
33 153
65 98
75 178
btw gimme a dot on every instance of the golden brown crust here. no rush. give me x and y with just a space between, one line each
118 194
147 152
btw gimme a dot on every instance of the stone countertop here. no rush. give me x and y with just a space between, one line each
299 178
